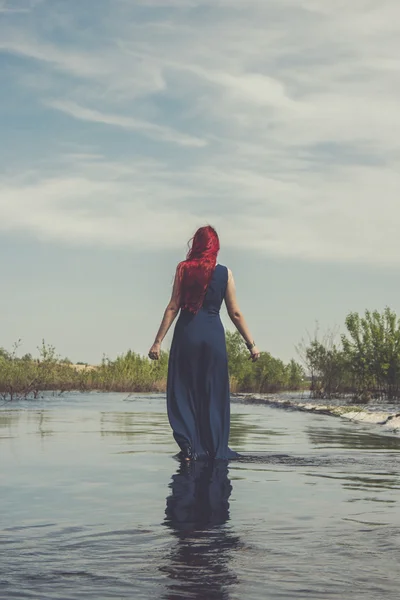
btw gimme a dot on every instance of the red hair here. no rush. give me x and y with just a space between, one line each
196 271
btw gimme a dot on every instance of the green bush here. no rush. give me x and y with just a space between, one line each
267 375
27 377
365 365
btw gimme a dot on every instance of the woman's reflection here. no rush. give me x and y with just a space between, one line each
197 510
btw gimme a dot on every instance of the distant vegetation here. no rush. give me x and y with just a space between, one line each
267 375
27 377
363 364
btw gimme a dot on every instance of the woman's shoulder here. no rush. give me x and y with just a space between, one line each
224 270
224 267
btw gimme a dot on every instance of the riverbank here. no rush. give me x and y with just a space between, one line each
27 377
385 414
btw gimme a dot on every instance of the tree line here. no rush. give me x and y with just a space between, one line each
28 377
362 363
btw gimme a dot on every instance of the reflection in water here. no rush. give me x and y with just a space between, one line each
11 420
135 427
377 481
43 422
127 424
351 439
8 419
197 511
241 431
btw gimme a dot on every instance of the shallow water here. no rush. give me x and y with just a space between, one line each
93 505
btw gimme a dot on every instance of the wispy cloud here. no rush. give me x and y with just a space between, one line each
6 9
18 6
154 131
275 119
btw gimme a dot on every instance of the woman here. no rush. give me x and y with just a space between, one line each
198 398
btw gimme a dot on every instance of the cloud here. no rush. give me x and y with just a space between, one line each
97 202
157 132
6 9
18 6
276 120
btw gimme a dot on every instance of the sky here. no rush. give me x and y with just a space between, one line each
127 124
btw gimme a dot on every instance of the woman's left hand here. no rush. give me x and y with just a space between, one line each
154 352
254 354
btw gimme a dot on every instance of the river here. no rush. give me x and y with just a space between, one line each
94 505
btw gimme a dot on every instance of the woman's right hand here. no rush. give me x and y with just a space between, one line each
154 352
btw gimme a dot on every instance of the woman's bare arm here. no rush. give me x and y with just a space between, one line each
170 314
237 317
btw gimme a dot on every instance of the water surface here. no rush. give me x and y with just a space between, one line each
94 505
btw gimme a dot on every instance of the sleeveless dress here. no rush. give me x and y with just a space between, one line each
198 396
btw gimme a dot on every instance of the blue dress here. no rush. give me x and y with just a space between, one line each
198 396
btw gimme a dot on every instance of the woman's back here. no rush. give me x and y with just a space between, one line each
216 290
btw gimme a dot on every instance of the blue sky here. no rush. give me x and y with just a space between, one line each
126 127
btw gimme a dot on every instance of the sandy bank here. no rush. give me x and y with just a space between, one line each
387 418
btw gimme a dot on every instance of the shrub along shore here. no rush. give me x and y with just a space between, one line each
26 377
363 364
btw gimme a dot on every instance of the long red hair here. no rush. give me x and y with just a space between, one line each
196 271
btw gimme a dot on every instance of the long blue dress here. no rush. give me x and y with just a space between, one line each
198 397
